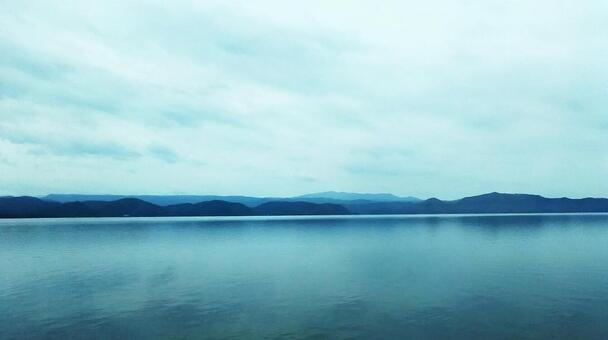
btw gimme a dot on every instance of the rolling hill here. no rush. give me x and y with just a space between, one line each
20 207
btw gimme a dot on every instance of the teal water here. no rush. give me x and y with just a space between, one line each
440 277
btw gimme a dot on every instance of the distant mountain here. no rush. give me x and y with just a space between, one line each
25 207
348 196
129 207
300 208
162 200
380 208
485 204
523 203
19 207
210 208
165 200
31 207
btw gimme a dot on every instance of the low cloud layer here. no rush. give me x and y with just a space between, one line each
278 98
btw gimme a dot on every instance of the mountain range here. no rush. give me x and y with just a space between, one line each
328 203
321 197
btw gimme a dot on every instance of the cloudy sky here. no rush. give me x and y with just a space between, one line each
273 97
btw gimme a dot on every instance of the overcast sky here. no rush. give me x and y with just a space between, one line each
273 97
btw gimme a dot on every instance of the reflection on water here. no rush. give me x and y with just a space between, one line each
460 277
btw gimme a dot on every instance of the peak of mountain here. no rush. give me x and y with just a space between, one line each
349 196
501 196
24 206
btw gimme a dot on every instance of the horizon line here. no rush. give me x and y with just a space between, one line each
306 194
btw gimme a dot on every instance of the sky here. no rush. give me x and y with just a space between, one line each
277 98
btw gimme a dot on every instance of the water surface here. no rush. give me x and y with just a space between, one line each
457 277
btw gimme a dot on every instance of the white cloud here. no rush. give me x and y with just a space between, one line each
275 98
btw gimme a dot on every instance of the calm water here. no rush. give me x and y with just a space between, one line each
458 277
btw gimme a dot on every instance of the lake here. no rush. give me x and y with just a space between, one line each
380 277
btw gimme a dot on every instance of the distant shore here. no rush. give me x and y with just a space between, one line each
492 203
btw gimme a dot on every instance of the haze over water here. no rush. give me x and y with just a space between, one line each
459 277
